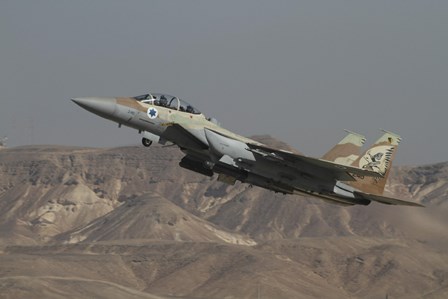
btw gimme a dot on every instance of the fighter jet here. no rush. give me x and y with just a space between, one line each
342 176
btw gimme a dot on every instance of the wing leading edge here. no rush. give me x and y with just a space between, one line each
312 165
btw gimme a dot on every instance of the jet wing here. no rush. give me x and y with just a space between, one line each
386 200
183 137
312 165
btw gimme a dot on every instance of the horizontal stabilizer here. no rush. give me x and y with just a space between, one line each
387 200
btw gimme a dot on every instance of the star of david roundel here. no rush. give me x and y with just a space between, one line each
152 112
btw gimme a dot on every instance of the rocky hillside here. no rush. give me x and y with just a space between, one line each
130 221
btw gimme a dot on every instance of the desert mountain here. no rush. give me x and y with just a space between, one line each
151 217
133 223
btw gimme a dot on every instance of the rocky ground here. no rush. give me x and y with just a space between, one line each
129 223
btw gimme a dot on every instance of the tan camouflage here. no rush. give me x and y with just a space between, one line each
347 150
378 158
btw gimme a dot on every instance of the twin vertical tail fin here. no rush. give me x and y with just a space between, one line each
347 150
377 158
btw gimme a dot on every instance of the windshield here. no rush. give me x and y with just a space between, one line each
167 101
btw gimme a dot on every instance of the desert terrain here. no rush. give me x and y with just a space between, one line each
128 222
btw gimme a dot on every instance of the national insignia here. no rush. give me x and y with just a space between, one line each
152 113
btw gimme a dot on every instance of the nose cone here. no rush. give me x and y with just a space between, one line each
104 107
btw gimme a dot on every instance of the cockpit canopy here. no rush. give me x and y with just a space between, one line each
167 101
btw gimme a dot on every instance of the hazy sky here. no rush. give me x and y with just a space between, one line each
301 71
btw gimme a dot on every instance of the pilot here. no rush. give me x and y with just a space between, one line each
163 101
190 109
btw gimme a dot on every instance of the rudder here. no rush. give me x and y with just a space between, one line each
377 158
347 150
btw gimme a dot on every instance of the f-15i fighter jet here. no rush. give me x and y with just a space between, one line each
341 176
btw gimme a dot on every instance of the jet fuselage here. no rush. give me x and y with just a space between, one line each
210 149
